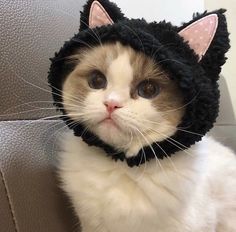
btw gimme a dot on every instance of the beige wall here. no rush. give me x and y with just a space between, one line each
229 69
158 10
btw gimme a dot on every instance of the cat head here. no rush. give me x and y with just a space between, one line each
140 90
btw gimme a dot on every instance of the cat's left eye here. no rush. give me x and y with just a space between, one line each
97 80
148 89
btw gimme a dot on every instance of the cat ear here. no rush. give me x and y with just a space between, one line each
99 13
200 34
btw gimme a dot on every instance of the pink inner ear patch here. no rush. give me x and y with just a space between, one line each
200 34
98 16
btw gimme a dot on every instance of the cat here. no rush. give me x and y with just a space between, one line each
139 97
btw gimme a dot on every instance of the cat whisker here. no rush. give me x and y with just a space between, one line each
85 131
49 138
134 124
33 104
62 93
54 117
23 103
172 141
75 18
161 47
189 132
26 111
70 58
149 144
70 96
131 138
84 118
166 136
143 157
178 128
82 42
32 110
176 61
93 31
179 108
38 87
166 155
129 28
128 118
34 121
81 114
71 124
65 96
35 107
171 161
125 145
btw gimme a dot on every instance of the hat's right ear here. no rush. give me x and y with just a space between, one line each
98 13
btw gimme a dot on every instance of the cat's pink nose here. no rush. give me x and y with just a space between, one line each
112 106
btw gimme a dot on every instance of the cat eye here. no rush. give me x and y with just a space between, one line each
97 80
148 89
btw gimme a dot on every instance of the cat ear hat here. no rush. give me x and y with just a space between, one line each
192 54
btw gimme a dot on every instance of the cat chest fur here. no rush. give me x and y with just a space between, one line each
115 197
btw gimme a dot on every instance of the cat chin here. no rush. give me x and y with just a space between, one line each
109 132
117 136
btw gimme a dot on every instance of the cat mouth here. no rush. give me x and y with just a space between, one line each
110 122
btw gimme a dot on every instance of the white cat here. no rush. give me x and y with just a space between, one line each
140 97
195 190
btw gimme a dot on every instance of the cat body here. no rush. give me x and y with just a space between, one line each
194 191
139 98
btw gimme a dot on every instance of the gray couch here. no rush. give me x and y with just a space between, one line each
30 32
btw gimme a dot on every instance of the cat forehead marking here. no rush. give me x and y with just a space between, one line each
120 71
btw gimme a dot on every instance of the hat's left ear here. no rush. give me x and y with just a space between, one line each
208 36
98 13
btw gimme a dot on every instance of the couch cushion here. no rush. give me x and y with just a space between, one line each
30 195
6 219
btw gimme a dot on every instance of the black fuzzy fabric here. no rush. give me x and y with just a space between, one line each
111 8
197 80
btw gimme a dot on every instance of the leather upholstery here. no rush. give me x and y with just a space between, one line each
6 219
30 198
30 32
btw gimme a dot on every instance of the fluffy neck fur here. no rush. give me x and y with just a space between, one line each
191 192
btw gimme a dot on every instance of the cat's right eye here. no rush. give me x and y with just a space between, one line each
97 80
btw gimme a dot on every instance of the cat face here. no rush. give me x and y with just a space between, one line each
123 97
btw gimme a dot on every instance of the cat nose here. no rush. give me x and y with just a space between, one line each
112 106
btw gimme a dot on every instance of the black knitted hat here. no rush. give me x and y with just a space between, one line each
192 55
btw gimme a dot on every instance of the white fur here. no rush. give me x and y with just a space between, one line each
195 191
